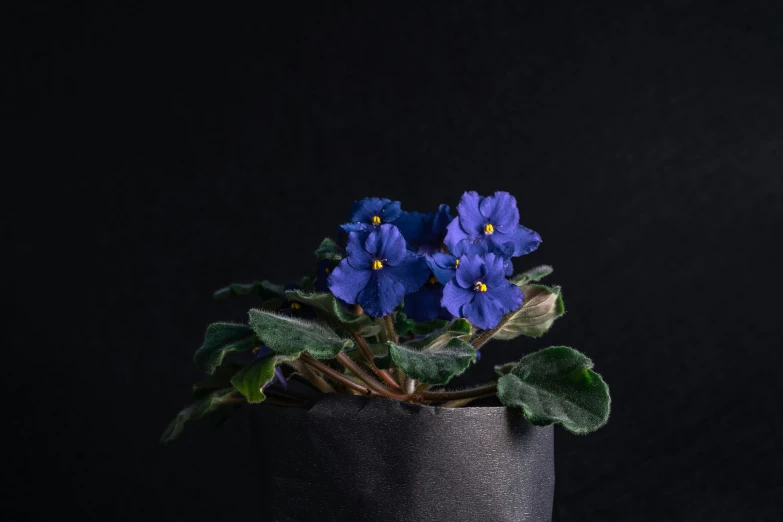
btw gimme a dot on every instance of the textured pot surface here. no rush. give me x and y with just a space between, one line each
355 458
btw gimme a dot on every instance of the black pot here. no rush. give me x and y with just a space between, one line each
355 458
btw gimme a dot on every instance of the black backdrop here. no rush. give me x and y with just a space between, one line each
158 154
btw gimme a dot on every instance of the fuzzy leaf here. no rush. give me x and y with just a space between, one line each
265 289
250 380
557 385
406 326
542 305
195 411
292 336
220 339
459 328
220 379
329 304
434 365
534 274
330 250
503 369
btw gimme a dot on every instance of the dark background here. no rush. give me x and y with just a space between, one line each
157 154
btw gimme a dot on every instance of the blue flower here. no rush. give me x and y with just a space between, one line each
444 266
424 304
372 212
263 351
425 232
493 220
479 292
378 271
325 267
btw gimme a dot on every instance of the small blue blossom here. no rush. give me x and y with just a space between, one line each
424 304
479 292
372 212
325 267
444 266
379 270
425 232
493 220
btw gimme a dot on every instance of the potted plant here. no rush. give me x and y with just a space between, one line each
354 360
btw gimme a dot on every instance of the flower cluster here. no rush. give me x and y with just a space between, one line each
401 303
441 266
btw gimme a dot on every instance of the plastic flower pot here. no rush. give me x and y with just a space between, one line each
369 459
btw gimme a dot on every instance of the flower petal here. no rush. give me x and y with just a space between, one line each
525 240
500 209
411 225
382 294
412 272
454 236
424 304
456 297
358 256
507 298
387 243
444 266
469 270
470 217
493 273
483 311
346 282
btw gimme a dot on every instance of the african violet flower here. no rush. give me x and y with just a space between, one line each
479 291
378 271
424 304
371 212
425 232
443 266
493 220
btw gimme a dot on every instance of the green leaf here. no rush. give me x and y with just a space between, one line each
329 250
265 289
329 304
557 385
197 410
220 339
503 369
221 378
406 326
434 365
534 274
307 284
381 355
251 379
459 328
292 336
542 305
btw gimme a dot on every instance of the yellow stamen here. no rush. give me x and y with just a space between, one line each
456 262
377 265
326 270
376 220
480 287
488 228
255 350
296 306
433 280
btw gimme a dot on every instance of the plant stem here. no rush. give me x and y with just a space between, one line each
383 374
486 335
312 378
334 374
473 393
368 380
390 329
